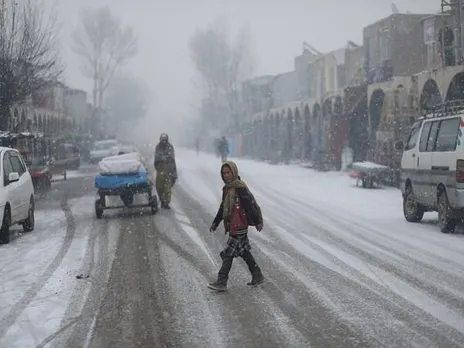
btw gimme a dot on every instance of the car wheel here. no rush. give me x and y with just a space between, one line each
5 228
413 211
446 221
29 223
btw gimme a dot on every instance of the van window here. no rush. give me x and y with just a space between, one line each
447 135
412 140
424 136
432 136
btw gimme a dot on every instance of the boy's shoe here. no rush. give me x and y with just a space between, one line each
216 286
256 281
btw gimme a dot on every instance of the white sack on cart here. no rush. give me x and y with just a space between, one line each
126 156
125 166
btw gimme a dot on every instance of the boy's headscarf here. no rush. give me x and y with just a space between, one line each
229 190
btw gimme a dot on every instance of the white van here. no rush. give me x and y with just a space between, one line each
432 167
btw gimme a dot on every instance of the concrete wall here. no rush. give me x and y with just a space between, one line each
285 88
408 48
354 61
396 41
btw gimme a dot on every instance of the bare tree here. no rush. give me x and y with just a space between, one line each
28 53
222 64
104 45
127 101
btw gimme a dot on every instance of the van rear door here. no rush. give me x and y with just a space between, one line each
444 155
423 184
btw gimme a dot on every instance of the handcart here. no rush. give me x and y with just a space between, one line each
369 173
123 176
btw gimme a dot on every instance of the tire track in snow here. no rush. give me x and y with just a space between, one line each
389 239
230 315
305 317
126 313
364 234
19 307
88 294
362 254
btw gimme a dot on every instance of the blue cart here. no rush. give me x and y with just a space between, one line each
125 186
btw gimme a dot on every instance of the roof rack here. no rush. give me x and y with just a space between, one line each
448 108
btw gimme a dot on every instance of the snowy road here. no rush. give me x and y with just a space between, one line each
343 269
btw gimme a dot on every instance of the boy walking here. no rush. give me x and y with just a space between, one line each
238 210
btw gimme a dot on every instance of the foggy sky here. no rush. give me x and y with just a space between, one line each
277 27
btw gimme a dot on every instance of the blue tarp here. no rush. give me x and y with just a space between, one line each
121 180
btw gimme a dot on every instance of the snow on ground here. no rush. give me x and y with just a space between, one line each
39 272
360 234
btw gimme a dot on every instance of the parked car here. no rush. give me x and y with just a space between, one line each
432 167
102 149
17 194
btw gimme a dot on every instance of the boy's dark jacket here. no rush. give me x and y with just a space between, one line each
249 205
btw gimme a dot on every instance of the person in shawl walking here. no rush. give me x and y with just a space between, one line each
166 170
238 210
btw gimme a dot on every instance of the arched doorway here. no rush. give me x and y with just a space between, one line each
358 129
40 124
317 127
307 133
23 124
15 121
375 111
288 142
35 123
299 135
430 95
456 88
326 118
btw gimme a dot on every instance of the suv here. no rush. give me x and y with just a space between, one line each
16 194
432 167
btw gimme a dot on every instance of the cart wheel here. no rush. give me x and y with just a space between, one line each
153 201
99 209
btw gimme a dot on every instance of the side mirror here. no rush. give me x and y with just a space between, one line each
13 177
399 145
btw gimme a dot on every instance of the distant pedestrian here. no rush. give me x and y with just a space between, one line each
166 170
224 149
238 210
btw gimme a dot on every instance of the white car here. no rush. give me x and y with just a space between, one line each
432 167
102 149
16 194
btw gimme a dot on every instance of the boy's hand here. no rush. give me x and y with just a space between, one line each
259 227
